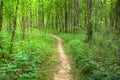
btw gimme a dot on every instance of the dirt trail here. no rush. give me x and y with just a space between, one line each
63 69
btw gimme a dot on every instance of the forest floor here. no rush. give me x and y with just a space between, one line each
63 69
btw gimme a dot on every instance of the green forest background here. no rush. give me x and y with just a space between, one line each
90 30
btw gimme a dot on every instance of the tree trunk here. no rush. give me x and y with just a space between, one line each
39 16
75 16
89 24
14 28
43 14
118 27
66 19
52 21
1 16
23 27
56 19
23 21
1 21
31 17
48 17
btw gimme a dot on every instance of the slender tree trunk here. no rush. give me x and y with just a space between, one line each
75 16
1 21
56 19
112 16
23 21
89 24
31 21
31 17
14 28
106 24
66 19
23 27
48 17
39 16
1 16
69 15
118 27
52 21
43 14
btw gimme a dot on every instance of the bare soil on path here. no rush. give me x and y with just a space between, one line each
63 69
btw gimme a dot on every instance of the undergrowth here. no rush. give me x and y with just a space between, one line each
97 60
29 57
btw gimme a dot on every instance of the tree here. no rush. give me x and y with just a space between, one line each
43 19
23 26
1 16
66 17
89 23
117 21
39 15
1 20
14 28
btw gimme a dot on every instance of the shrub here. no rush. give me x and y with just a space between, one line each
28 58
96 60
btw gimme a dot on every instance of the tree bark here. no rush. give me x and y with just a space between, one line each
31 17
23 27
89 24
66 19
14 29
43 14
118 27
75 16
39 16
56 19
23 21
1 21
1 16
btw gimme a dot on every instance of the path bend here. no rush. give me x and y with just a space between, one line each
63 69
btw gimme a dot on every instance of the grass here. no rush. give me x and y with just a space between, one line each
50 64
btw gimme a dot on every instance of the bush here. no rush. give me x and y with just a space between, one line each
28 58
96 60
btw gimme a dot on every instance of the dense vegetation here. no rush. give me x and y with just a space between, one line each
29 57
90 30
97 60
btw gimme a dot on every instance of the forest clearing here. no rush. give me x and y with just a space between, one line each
59 39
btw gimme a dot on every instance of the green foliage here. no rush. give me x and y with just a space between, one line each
28 58
96 60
